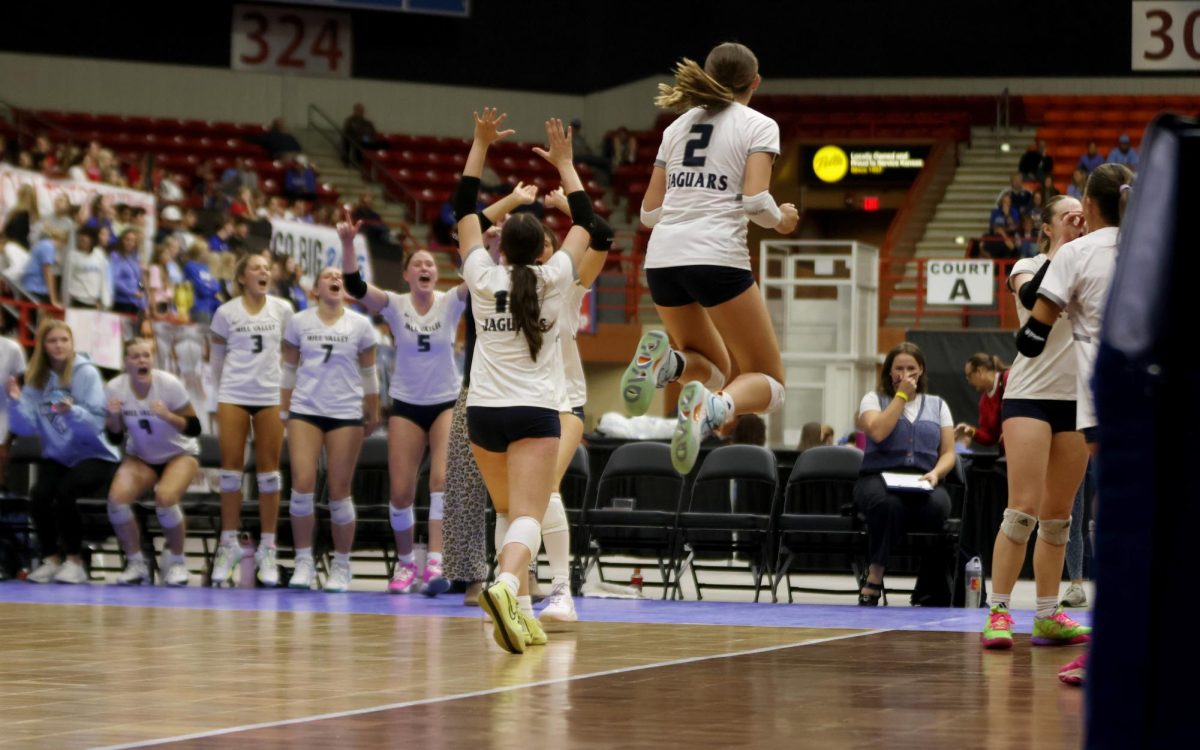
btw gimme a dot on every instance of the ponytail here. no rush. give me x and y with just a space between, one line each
693 88
527 308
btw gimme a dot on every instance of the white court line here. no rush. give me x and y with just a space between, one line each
481 693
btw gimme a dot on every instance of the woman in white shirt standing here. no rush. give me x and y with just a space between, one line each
250 328
517 384
330 394
712 174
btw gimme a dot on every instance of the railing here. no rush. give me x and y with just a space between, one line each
1003 110
26 313
1000 313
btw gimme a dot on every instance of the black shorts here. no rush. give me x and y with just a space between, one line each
709 285
1060 415
1091 435
325 424
251 410
158 469
493 428
421 416
578 412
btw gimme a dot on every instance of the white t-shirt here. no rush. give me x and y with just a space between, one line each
912 409
425 371
567 339
147 435
90 283
252 369
502 372
12 364
1078 281
1050 376
328 382
704 155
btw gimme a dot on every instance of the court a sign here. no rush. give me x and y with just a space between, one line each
960 282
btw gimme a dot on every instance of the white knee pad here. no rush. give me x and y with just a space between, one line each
437 505
170 516
501 531
119 514
778 393
341 512
556 516
230 481
524 530
1017 526
269 481
301 504
402 519
1056 531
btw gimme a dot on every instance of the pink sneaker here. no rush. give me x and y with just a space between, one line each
1073 672
404 580
434 580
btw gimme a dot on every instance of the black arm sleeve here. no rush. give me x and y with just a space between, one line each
1031 339
466 195
355 286
1028 293
484 222
581 210
192 428
602 234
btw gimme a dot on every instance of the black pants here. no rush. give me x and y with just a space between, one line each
890 515
55 514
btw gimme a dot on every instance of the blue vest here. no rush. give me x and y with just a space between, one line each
912 446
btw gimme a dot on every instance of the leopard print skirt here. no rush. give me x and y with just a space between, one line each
464 526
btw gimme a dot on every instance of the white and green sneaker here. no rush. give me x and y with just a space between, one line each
700 412
646 373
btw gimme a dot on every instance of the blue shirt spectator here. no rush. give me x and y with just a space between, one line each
1092 159
127 285
33 278
1124 153
70 436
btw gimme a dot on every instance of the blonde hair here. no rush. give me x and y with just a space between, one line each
38 372
27 201
728 72
235 283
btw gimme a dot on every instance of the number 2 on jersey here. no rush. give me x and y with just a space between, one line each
703 135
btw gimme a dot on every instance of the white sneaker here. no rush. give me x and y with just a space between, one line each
268 569
228 556
1075 596
700 413
302 574
44 573
339 578
136 573
71 572
561 607
176 572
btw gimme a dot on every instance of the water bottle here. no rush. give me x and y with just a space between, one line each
246 568
974 582
635 581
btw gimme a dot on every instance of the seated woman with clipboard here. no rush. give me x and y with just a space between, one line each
910 449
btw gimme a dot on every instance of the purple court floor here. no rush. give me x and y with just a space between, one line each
900 617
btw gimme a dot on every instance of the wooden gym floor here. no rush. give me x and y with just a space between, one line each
101 666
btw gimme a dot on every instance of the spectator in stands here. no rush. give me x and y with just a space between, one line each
988 375
584 154
373 226
129 292
219 242
302 211
239 175
206 290
285 280
42 151
101 215
279 143
911 432
89 284
123 218
1026 242
1078 183
300 180
621 148
38 278
358 133
1092 159
63 403
25 160
159 288
748 429
1022 199
1036 162
22 217
239 241
277 209
1049 189
104 238
63 218
12 365
1035 208
169 220
1005 223
1124 153
186 232
170 188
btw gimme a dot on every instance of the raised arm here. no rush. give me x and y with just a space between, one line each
487 132
372 297
593 259
588 229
